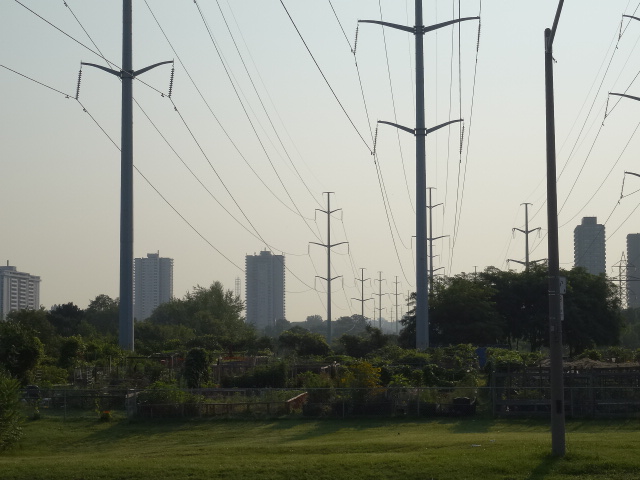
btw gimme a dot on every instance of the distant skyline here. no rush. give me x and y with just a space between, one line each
246 181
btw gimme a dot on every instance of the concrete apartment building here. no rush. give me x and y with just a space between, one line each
589 246
153 284
264 289
18 290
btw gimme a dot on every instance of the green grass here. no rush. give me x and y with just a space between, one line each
480 448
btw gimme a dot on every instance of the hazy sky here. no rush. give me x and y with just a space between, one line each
245 159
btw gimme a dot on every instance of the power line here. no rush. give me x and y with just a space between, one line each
324 76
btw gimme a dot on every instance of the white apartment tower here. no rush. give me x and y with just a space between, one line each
18 290
264 289
589 246
153 284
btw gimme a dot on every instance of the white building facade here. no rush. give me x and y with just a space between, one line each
264 289
18 290
153 284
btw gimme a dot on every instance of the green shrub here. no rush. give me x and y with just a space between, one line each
591 354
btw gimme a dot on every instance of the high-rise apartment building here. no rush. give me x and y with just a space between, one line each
589 246
633 270
264 289
18 290
153 284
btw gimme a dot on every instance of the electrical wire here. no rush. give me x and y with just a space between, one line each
324 76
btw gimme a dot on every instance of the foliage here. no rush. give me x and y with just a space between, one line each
66 318
10 412
498 307
102 314
592 311
20 350
72 351
363 380
462 310
302 343
591 354
268 376
205 311
359 346
159 393
196 367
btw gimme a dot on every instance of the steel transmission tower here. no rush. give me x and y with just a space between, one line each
379 295
420 132
237 290
431 238
127 74
362 300
396 304
328 246
526 232
623 276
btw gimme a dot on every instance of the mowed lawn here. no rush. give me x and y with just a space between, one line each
478 448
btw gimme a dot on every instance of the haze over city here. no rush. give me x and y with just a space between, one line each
261 178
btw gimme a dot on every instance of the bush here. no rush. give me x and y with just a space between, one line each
10 414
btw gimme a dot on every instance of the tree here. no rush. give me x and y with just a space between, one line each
38 322
66 319
20 350
303 343
522 302
208 311
196 367
462 310
353 325
10 411
359 346
103 314
592 313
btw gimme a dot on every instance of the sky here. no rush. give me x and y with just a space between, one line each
270 108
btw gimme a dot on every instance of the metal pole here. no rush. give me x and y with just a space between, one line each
422 298
555 298
380 302
526 237
126 335
329 339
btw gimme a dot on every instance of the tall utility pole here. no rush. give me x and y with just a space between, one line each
558 446
328 246
127 74
362 300
430 207
420 132
396 304
379 294
526 232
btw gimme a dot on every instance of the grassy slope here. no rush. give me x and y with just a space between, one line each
328 449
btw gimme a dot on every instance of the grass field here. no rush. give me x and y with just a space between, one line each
479 448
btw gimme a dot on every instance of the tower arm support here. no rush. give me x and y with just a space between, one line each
438 127
146 69
444 24
392 25
631 16
626 96
412 131
117 73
